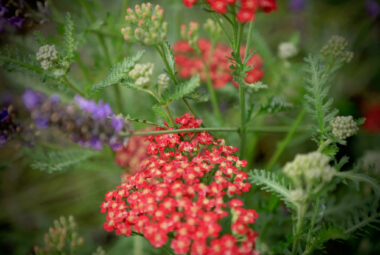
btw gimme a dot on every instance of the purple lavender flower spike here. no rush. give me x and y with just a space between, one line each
16 21
117 123
4 115
32 99
296 5
96 144
42 122
54 99
3 140
373 8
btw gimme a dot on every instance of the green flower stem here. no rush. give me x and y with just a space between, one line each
282 145
137 246
72 86
211 91
312 223
324 144
171 72
270 129
301 209
242 130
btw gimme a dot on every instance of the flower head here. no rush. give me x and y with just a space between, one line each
145 24
337 48
180 195
344 127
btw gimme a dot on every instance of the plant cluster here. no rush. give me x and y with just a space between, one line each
182 123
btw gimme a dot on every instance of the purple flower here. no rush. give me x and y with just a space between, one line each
42 122
117 123
96 144
373 8
32 99
3 10
16 21
4 115
3 140
98 111
296 5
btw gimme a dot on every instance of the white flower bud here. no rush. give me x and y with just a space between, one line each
142 73
344 127
313 166
163 80
287 50
298 195
46 55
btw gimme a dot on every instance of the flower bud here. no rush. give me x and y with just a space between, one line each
337 48
344 127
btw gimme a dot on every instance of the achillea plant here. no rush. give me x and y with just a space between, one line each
184 189
182 193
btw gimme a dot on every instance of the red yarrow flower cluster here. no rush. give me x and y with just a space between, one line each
182 193
247 8
188 63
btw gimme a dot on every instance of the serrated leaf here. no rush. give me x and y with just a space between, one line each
118 72
55 161
169 55
273 183
159 112
68 38
181 90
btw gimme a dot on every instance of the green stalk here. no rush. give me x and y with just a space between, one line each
312 223
301 209
161 51
242 121
282 145
271 129
72 86
211 91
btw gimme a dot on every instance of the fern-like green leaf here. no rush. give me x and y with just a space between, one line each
55 161
363 217
181 90
326 233
273 183
68 38
356 178
317 102
118 72
169 56
160 112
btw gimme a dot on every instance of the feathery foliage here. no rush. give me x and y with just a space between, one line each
118 72
181 90
68 38
273 183
55 161
318 104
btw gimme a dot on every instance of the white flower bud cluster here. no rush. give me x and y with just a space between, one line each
298 195
287 50
337 47
344 127
212 28
145 24
313 166
142 73
163 80
46 55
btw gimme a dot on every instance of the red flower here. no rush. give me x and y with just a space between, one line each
372 116
177 194
188 64
247 7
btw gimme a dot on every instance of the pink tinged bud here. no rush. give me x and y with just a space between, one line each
140 22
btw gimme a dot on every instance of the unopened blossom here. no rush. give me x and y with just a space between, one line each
182 193
311 167
190 33
87 123
287 50
62 236
47 55
142 73
212 28
145 24
163 80
338 49
344 127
